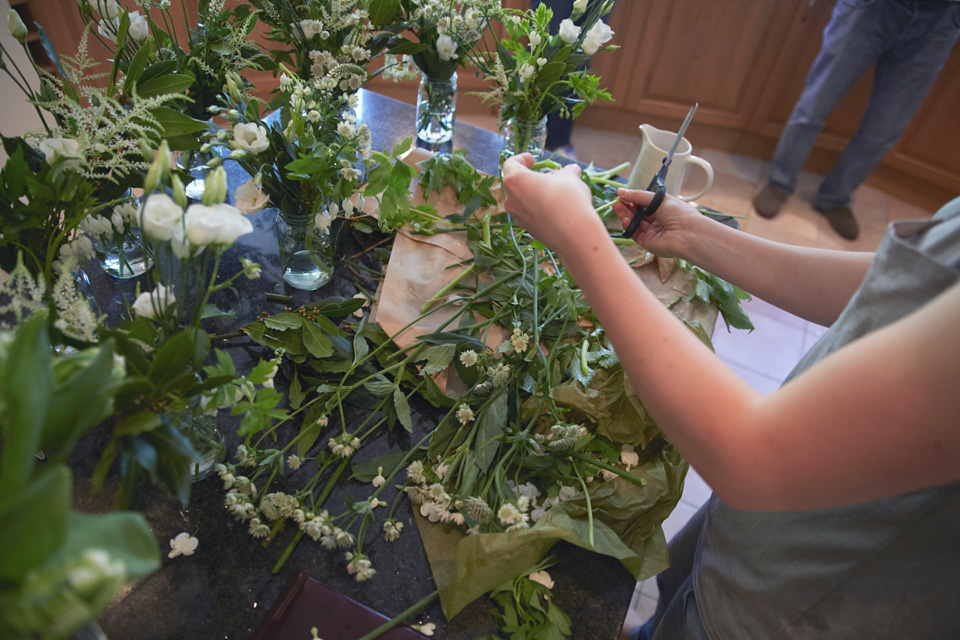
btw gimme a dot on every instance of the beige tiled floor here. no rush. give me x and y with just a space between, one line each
766 355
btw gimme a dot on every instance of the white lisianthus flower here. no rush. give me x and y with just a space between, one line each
535 39
446 48
543 578
139 27
183 545
579 6
54 149
250 197
569 32
110 31
107 8
251 137
153 303
160 217
598 35
214 224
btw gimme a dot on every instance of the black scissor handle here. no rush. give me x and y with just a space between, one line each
642 212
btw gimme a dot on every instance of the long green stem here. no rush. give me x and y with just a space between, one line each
386 626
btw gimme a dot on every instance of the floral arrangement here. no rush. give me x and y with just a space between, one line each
536 73
330 41
216 43
444 33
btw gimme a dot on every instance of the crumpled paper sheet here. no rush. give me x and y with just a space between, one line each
467 567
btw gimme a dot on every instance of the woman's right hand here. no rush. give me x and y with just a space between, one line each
668 232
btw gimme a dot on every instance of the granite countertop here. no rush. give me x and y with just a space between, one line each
225 588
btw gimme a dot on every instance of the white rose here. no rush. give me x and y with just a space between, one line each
215 224
153 303
139 27
250 137
446 47
55 148
598 35
160 217
569 32
249 197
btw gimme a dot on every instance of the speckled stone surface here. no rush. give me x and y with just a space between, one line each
225 588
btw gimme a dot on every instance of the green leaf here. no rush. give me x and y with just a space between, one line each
403 409
82 401
490 426
175 123
383 11
379 385
366 471
172 361
52 53
136 67
125 536
438 358
316 341
35 525
26 391
283 321
296 392
163 85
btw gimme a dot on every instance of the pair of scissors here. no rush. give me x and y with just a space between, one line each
657 184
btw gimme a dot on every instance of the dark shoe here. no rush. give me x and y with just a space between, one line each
767 203
842 221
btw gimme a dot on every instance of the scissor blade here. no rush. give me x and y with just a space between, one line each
683 130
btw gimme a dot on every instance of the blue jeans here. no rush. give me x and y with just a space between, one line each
677 616
909 41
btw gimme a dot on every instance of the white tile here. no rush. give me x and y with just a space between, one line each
676 520
695 489
773 348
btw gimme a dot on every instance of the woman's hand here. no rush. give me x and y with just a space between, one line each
555 207
668 232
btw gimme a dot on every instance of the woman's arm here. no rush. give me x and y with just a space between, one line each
815 284
877 418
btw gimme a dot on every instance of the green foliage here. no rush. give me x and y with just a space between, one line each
525 610
59 568
711 290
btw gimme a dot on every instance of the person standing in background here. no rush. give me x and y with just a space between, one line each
909 41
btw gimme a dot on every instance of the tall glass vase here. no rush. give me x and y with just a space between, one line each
117 240
306 249
196 163
436 111
520 136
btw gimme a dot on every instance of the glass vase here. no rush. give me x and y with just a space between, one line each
436 111
204 435
521 135
196 164
306 249
121 253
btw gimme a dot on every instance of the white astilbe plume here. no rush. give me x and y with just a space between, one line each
108 132
21 295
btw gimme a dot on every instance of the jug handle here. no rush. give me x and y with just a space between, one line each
708 168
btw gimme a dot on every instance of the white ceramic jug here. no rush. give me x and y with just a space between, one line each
656 144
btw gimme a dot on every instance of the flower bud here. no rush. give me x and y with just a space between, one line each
152 182
179 192
146 151
163 156
220 183
232 88
17 29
